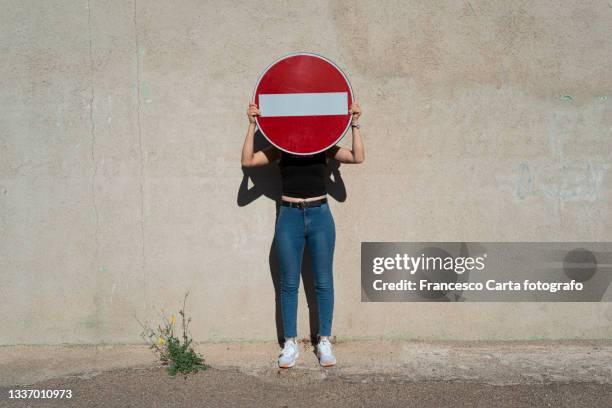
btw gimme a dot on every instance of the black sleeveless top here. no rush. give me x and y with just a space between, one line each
303 176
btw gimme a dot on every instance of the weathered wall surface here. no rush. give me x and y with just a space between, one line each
121 188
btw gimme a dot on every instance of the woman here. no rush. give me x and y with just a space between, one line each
304 218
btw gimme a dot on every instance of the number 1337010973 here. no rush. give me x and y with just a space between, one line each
39 394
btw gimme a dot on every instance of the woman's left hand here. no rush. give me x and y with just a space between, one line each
355 111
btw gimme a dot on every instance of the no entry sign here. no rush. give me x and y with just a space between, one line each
304 101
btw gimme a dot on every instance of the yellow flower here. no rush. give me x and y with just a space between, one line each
161 340
173 319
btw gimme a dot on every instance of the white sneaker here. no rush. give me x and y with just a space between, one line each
289 354
324 352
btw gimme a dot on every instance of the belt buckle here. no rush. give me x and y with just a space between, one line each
301 204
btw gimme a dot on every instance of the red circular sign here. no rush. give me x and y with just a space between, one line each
304 100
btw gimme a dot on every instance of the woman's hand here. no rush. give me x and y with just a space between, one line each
355 111
252 112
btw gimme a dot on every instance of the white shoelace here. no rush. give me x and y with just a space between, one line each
290 348
325 347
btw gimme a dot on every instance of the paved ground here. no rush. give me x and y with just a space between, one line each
369 373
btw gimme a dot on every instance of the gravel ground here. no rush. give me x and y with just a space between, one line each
369 373
153 387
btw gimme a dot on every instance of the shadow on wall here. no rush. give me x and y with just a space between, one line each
266 182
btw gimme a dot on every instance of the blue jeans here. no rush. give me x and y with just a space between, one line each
315 227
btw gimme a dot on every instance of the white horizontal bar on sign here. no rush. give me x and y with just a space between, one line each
303 104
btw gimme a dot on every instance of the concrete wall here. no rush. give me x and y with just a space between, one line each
121 188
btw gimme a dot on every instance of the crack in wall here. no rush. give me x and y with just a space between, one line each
92 133
142 175
96 319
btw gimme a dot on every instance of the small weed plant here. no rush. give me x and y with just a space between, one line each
178 355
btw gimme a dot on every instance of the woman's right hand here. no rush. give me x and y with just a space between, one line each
252 112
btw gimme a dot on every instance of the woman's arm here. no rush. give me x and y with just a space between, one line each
357 153
249 157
